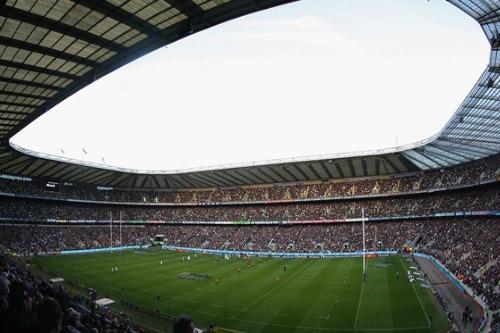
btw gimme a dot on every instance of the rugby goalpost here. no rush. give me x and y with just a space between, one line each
111 232
364 242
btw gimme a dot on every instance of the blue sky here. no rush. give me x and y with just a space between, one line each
309 78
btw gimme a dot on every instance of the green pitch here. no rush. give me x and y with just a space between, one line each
259 295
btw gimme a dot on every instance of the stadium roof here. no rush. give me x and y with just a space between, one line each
50 49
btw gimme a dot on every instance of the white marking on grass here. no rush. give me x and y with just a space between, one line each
344 329
269 292
419 301
359 305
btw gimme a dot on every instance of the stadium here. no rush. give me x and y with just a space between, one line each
403 239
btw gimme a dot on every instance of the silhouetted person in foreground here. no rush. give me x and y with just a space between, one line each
49 316
183 324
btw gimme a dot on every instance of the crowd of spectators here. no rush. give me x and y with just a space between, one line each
34 239
495 324
421 205
470 248
463 175
29 303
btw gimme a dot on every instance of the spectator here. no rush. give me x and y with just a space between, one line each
49 316
183 324
20 317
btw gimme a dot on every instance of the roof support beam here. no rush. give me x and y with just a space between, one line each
186 7
28 164
65 29
16 161
109 10
176 183
97 180
48 51
325 168
195 182
94 174
72 174
37 69
55 170
185 179
282 179
267 175
258 177
43 168
351 167
313 170
165 179
34 172
430 158
462 147
22 105
15 166
363 165
209 181
143 182
250 175
388 160
219 180
407 163
241 177
107 179
114 182
479 107
82 175
20 94
29 83
460 153
128 181
155 181
233 180
296 167
284 168
435 151
8 119
67 171
339 169
203 181
443 161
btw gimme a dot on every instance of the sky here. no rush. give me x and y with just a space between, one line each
315 77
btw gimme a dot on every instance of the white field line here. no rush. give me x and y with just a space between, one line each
418 297
310 328
334 329
359 305
270 291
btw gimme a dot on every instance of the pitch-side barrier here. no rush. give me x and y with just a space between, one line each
105 249
461 286
277 254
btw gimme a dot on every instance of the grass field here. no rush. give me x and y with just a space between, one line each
312 295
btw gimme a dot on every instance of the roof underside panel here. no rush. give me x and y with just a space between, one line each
50 49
